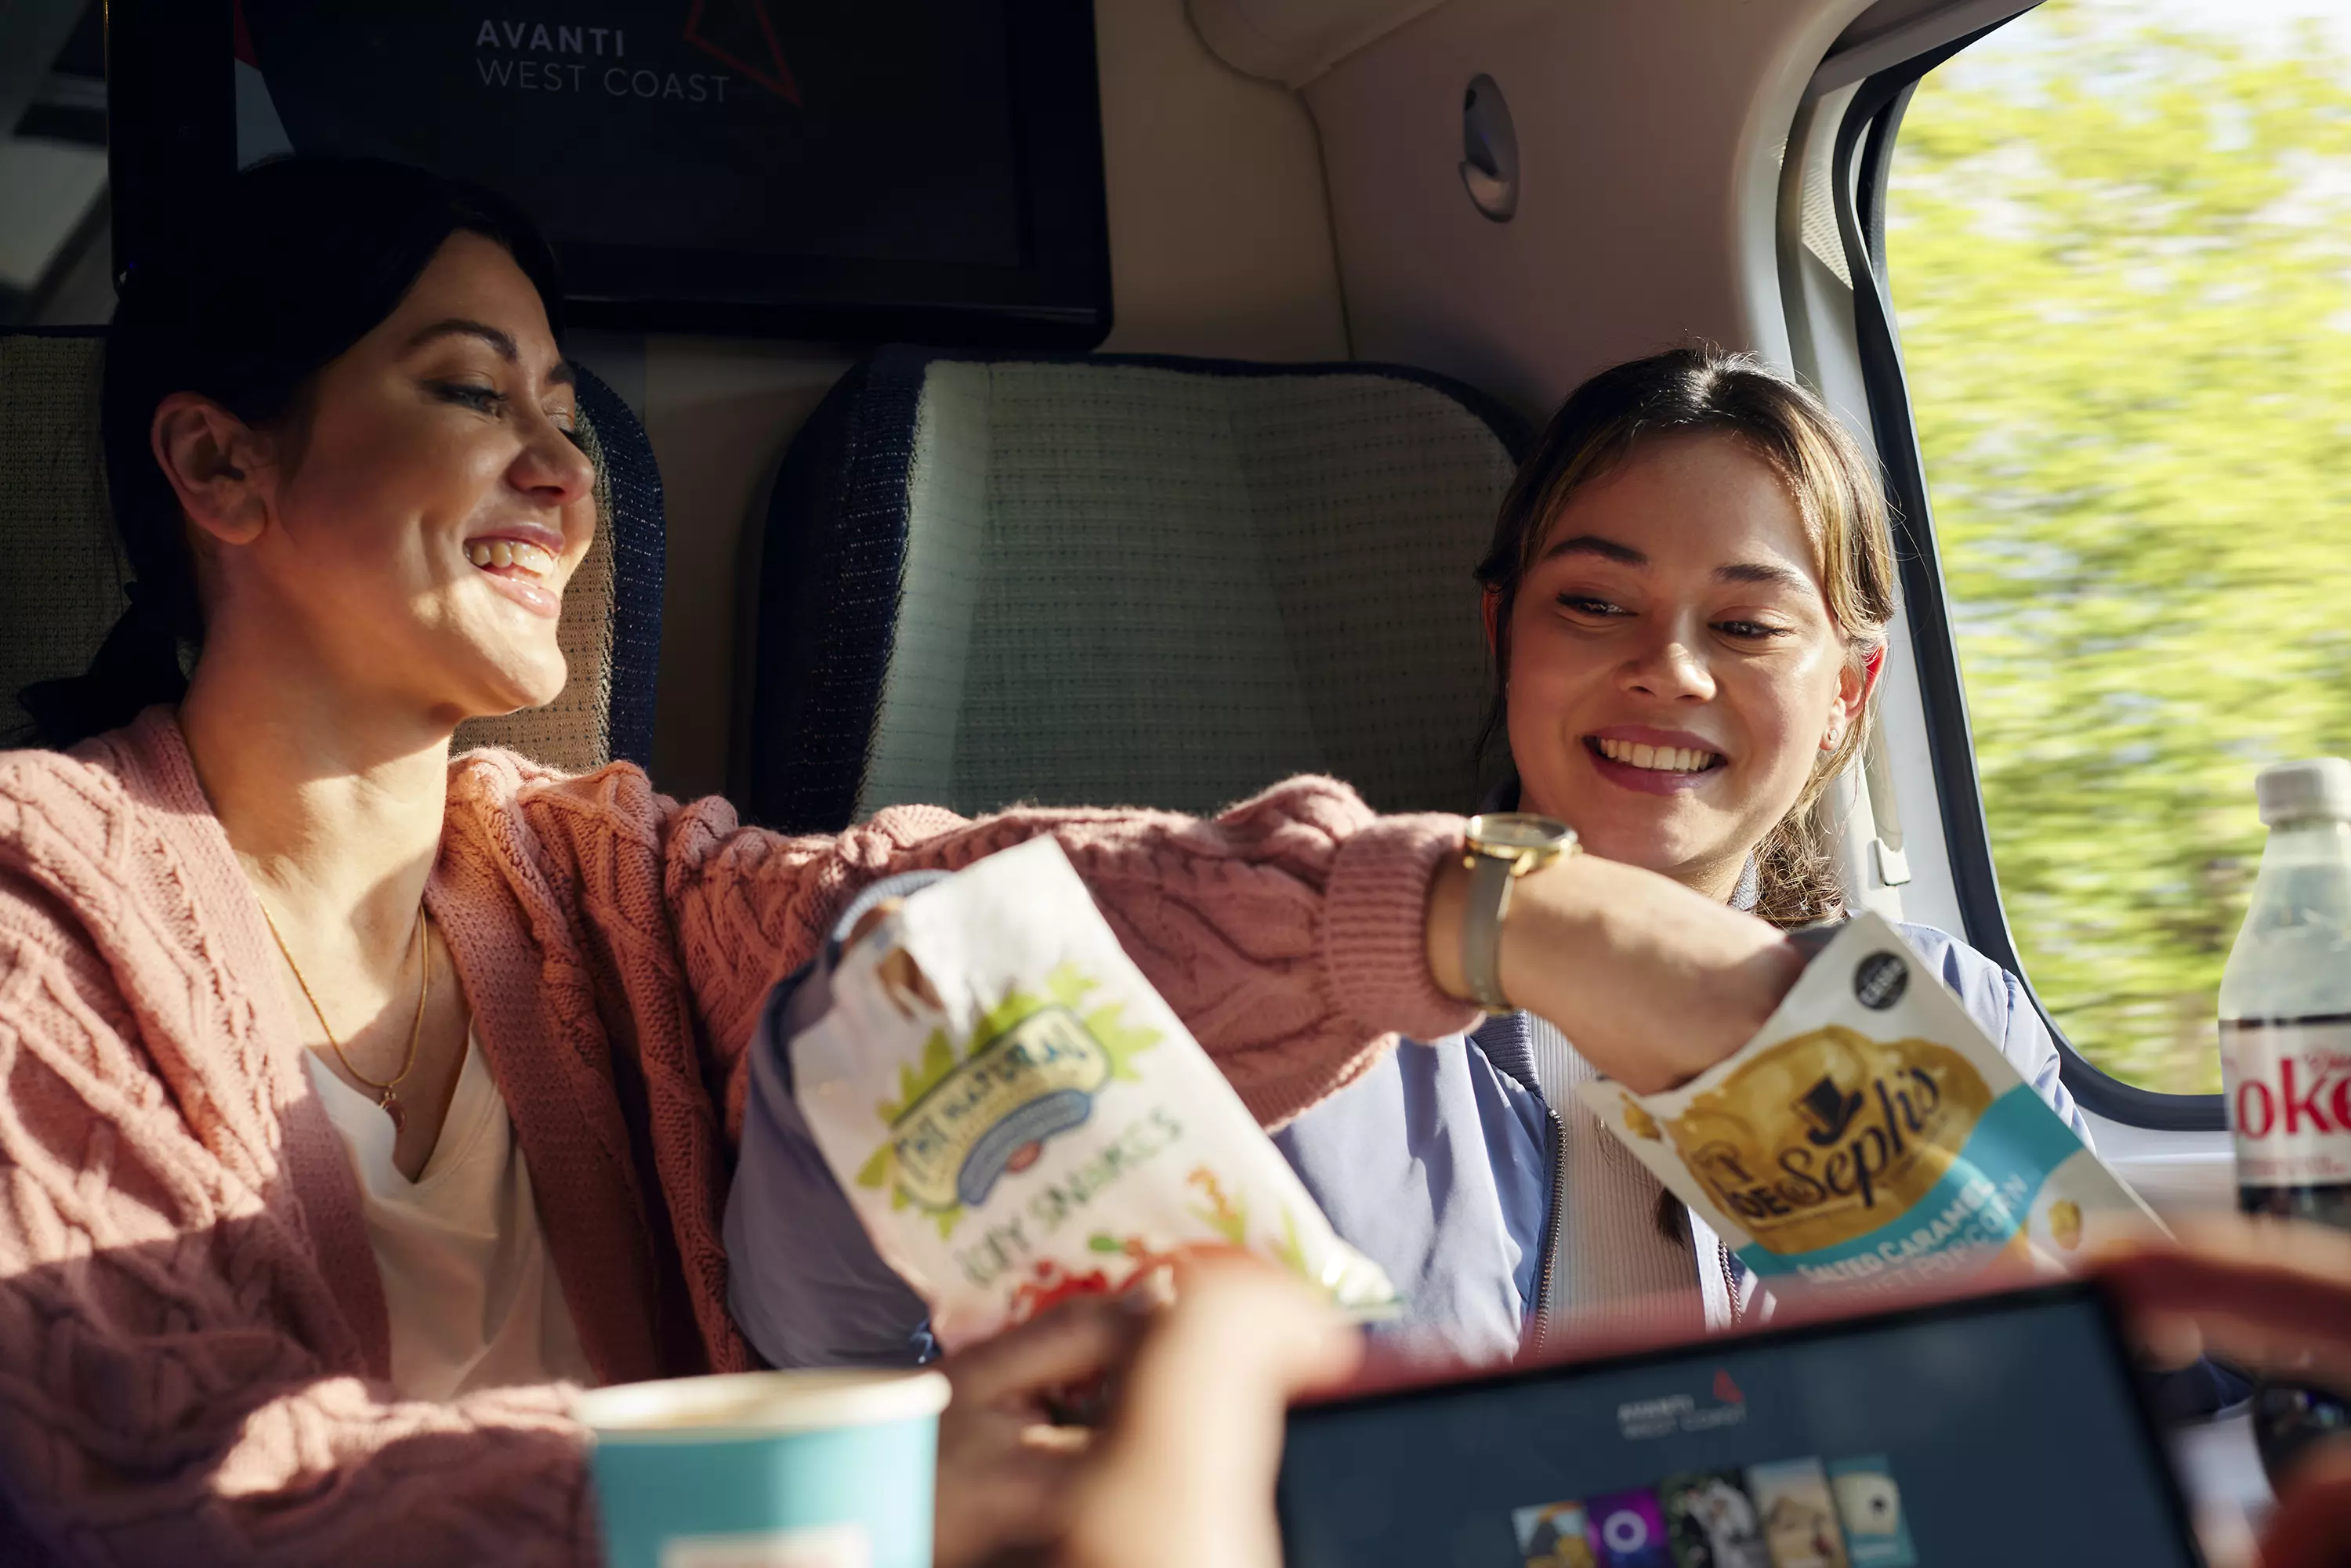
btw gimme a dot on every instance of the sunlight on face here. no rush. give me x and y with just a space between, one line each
438 503
1673 666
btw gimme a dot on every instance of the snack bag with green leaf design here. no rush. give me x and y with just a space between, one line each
1018 1117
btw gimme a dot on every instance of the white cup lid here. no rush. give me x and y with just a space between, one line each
2299 792
757 1404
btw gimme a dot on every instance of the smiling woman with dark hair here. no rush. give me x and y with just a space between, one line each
354 1098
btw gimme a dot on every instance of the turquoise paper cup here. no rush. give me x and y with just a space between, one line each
810 1469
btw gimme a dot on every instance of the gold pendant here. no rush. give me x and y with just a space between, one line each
391 1108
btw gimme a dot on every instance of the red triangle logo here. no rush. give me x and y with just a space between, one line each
749 17
243 39
1725 1390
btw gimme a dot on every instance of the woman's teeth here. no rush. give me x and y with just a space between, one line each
1660 758
511 552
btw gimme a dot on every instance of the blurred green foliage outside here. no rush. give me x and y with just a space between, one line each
2120 255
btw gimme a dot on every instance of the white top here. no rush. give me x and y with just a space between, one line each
1612 1259
468 1286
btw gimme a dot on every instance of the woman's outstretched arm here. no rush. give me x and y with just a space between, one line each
1288 931
1298 933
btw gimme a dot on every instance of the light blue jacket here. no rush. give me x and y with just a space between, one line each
1437 1163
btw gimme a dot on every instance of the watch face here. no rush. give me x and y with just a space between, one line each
1517 830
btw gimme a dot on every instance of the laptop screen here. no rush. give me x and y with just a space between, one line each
2002 1431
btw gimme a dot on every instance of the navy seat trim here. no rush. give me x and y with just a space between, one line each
637 537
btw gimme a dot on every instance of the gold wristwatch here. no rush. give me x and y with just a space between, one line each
1502 846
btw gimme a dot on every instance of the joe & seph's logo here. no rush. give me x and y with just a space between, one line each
1830 1134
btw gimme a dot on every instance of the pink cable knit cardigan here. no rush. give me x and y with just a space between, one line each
193 1340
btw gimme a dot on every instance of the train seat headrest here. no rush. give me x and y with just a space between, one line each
1119 579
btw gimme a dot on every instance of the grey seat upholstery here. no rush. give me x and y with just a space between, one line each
61 573
1113 580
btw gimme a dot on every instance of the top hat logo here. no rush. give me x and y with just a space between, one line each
1829 1109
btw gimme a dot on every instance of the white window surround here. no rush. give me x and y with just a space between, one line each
1812 312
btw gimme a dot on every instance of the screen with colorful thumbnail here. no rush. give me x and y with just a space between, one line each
1790 1513
2007 1431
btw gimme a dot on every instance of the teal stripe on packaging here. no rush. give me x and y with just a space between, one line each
2016 1143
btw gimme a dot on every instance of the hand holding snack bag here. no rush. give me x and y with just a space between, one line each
1018 1117
1872 1136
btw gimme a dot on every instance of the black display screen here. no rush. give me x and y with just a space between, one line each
853 168
879 129
2005 1432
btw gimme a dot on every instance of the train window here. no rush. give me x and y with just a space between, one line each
2118 239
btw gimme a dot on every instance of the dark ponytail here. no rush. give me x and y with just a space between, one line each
300 259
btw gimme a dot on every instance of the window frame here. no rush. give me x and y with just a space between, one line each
1861 168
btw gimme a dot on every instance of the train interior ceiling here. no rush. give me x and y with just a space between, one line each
1309 181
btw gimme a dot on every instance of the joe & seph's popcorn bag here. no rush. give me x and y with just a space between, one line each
1017 1116
1872 1136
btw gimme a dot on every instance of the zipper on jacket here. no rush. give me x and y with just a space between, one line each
1543 1277
1539 1338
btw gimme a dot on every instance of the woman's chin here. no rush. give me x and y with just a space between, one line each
1632 849
521 683
1650 839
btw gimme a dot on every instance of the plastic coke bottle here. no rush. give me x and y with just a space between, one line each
2285 1047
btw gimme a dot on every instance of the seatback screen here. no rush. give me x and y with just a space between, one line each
878 131
2005 1431
851 170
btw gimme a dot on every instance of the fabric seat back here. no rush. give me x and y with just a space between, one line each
1122 580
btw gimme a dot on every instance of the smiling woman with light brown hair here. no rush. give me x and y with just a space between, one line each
355 1098
1687 595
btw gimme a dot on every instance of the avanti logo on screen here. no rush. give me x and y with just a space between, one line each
538 56
1723 1404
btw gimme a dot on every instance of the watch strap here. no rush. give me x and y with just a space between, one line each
1490 877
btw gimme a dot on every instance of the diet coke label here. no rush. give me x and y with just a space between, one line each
2288 1084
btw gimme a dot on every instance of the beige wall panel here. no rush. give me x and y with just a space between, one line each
1649 133
719 414
1220 245
1219 233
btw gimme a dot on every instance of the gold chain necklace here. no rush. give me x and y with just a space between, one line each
387 1101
